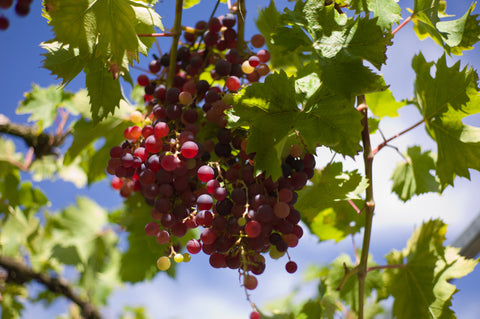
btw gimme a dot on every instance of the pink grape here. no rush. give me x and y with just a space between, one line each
194 246
205 173
204 202
233 83
189 149
253 229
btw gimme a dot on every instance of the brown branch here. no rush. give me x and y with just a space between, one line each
20 273
41 142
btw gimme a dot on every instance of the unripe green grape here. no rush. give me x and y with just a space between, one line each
163 263
178 258
274 253
241 221
186 257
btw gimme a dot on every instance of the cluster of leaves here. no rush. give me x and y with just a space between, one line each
101 39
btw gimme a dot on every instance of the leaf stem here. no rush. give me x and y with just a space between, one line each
369 205
404 23
176 31
385 142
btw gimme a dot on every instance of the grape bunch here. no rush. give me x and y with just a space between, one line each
195 172
22 8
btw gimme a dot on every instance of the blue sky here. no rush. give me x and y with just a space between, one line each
203 292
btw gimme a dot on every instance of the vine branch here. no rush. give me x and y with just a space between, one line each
177 31
241 13
20 273
369 205
385 142
42 143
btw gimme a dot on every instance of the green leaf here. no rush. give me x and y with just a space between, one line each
190 3
10 305
42 104
77 229
274 102
444 101
454 36
318 123
413 176
347 76
17 226
349 292
420 285
79 103
387 11
138 264
324 204
104 33
85 134
104 91
453 266
360 38
106 27
383 103
63 61
267 22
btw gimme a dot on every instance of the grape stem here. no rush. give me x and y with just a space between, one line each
176 31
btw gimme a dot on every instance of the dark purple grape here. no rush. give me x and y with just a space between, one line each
229 20
223 67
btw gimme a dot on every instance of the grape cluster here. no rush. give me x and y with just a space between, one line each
195 172
22 8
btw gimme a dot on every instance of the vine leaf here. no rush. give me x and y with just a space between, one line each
63 61
413 176
383 103
454 36
324 204
100 37
444 101
42 104
274 102
420 288
85 133
138 264
104 91
349 292
106 27
387 11
338 44
190 3
77 228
